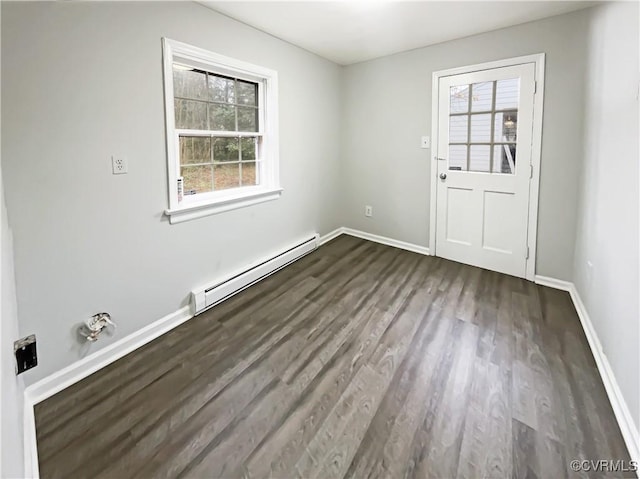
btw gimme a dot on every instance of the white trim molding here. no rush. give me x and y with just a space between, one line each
536 147
620 408
47 387
73 373
375 238
187 207
387 241
243 200
56 382
553 283
331 235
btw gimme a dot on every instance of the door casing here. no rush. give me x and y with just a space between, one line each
536 148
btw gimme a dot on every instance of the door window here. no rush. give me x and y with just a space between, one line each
483 126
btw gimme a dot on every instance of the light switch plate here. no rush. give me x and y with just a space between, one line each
425 142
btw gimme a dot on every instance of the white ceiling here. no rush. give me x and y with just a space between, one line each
353 31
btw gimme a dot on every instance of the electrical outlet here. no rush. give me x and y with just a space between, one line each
368 211
119 165
25 351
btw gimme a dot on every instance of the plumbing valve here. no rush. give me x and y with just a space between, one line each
97 323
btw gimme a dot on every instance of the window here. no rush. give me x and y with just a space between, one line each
483 126
222 132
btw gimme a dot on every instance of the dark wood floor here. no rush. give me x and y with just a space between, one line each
359 360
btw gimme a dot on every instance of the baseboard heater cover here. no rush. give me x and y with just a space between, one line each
206 297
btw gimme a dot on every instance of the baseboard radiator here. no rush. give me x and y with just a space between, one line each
206 297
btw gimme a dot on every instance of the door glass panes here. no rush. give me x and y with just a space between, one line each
483 126
505 127
507 93
482 96
504 159
458 157
459 99
479 158
458 129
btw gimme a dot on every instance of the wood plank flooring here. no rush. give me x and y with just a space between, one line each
359 360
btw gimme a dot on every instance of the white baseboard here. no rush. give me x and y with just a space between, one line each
387 241
56 382
73 373
47 387
329 236
620 408
553 283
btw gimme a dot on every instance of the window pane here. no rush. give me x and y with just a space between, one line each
222 117
248 148
225 149
458 128
191 114
226 176
197 179
479 158
247 119
247 93
459 99
458 157
189 84
504 159
481 128
221 89
482 96
195 149
507 93
506 126
249 174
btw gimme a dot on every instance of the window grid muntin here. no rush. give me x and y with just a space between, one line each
258 108
181 132
492 143
224 133
257 161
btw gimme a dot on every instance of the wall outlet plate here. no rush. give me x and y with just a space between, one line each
25 352
119 165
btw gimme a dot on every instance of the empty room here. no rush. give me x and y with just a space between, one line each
343 239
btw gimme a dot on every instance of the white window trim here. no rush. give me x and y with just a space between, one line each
224 200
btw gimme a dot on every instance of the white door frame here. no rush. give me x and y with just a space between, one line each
536 147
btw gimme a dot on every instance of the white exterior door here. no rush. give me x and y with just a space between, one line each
485 123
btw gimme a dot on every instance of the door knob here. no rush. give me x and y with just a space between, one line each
443 176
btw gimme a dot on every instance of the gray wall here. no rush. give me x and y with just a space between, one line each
388 107
83 81
11 386
607 234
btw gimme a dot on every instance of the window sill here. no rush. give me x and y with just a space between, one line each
198 210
